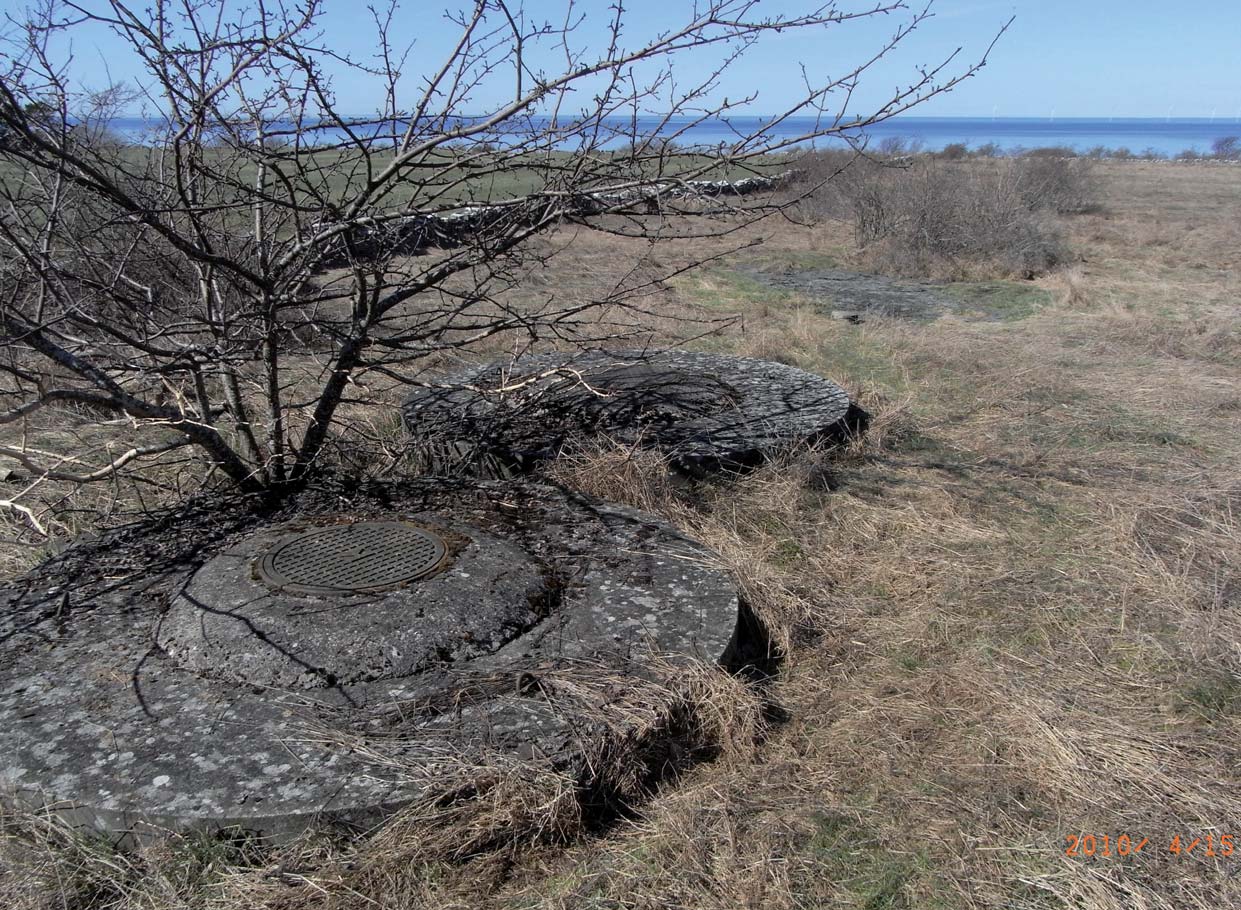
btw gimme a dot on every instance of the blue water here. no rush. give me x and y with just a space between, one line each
1160 135
1138 135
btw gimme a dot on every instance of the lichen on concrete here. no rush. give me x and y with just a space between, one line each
705 412
148 676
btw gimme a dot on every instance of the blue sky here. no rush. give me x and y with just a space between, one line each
1063 58
1068 57
1101 58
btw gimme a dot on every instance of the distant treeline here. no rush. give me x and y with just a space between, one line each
1226 148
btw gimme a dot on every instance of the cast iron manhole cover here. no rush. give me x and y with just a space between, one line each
354 558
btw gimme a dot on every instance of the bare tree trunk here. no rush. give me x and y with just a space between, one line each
259 231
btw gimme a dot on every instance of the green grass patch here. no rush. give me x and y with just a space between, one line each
1213 696
728 288
800 260
788 554
848 354
1119 428
909 659
857 869
1001 301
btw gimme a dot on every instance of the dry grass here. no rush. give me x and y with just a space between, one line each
1008 616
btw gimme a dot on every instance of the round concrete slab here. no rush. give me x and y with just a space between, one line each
157 675
704 411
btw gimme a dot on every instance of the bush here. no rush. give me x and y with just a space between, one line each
1227 148
1050 151
1066 186
898 147
954 151
933 217
943 217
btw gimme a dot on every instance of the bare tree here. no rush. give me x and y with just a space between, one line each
1227 147
223 281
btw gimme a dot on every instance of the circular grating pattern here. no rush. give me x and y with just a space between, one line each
352 558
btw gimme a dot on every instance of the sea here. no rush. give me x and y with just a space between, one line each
1150 136
1156 136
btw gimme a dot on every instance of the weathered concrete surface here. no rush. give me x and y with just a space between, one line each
136 689
411 234
855 293
704 411
227 623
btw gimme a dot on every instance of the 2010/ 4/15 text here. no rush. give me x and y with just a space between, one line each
1090 845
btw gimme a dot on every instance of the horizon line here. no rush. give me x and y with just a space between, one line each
1042 118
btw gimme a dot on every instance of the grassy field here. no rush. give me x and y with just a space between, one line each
438 181
1014 608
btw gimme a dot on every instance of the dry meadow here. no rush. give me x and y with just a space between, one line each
1010 615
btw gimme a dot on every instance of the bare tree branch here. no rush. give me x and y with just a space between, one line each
231 277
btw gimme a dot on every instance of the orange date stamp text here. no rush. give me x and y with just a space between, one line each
1098 845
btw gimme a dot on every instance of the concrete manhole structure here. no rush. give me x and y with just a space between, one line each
705 412
352 557
218 667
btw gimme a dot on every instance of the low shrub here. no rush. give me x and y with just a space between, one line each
1065 185
1050 151
898 147
1227 148
931 216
